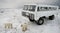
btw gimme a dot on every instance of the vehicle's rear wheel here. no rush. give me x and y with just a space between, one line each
51 17
40 21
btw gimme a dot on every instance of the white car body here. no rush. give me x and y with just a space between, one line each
46 13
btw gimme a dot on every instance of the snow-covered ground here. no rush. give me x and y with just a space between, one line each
14 16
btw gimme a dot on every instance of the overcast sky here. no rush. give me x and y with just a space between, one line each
19 3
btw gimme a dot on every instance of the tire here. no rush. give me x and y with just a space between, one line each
40 21
51 17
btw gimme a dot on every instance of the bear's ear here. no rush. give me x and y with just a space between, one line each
21 25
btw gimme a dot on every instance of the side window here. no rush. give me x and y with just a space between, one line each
38 9
42 8
46 8
52 8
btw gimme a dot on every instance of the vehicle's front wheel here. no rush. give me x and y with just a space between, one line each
51 17
40 21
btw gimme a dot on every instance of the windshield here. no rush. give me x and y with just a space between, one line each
29 7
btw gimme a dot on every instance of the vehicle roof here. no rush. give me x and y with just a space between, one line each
43 5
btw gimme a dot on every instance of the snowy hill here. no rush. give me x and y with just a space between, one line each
14 16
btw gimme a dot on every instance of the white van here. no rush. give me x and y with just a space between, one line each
37 13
